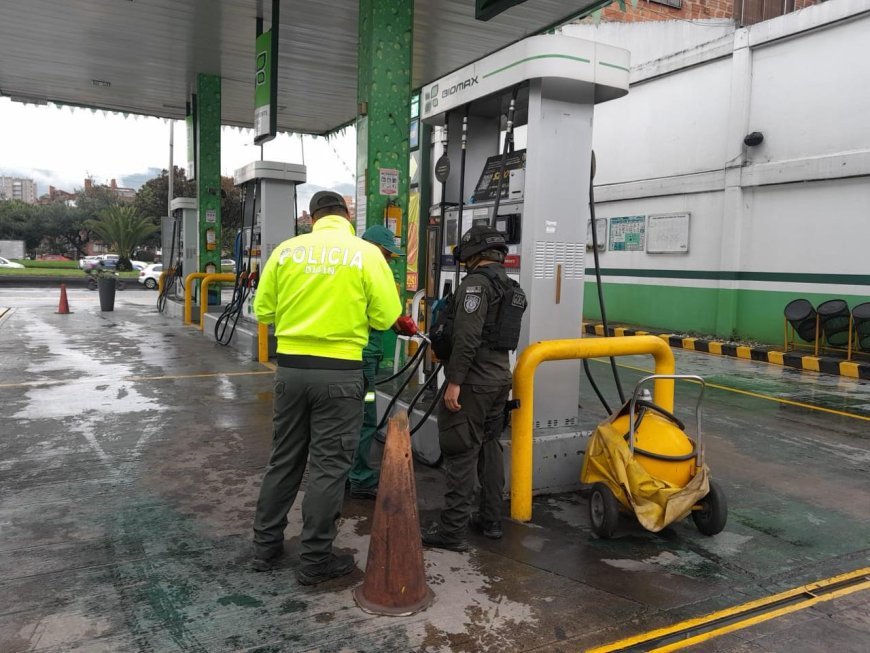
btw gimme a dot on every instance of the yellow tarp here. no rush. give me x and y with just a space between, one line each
655 502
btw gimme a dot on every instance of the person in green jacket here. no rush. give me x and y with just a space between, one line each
363 477
323 291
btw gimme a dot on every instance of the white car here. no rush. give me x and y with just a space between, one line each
139 265
6 263
150 276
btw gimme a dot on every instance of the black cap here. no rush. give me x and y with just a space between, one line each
326 199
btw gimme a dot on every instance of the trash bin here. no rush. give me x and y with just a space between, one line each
834 320
802 317
106 286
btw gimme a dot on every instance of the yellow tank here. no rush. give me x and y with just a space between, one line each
659 436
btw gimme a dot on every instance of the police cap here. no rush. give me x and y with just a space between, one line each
326 199
480 238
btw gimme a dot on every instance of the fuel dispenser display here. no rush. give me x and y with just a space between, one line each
186 213
536 196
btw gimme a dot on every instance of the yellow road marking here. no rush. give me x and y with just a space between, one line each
806 590
744 352
689 343
270 365
599 329
850 369
749 393
619 332
775 357
96 380
715 348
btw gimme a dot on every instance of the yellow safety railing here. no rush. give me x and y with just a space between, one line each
207 280
524 392
188 294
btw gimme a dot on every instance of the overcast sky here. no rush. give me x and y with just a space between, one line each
61 146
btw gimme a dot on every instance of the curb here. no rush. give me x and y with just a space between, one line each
824 364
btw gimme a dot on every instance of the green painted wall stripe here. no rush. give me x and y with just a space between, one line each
725 275
720 312
613 65
537 56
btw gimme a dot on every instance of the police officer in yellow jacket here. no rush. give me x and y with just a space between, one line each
323 291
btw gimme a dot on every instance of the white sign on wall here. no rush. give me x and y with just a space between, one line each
389 181
668 233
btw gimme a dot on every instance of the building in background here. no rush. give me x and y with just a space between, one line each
733 178
18 188
742 12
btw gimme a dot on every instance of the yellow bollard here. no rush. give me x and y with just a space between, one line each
188 294
524 392
203 292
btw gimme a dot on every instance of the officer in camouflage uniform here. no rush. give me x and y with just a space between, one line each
363 478
471 417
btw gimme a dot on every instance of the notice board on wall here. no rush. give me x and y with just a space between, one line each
627 233
668 233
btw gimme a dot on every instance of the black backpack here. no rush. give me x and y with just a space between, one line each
501 331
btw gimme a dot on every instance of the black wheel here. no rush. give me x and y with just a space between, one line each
150 283
92 283
120 285
603 511
712 514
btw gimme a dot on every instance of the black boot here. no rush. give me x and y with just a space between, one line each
490 529
333 568
435 537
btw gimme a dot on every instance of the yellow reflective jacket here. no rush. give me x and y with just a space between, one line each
324 290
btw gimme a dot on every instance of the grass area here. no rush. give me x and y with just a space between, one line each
60 265
55 272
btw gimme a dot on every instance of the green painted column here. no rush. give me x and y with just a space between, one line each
208 175
384 96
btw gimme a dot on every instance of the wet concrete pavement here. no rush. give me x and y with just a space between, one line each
131 450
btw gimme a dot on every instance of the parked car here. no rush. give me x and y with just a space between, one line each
109 261
138 265
228 265
150 276
6 263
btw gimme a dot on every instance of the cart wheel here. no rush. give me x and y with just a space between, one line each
711 518
603 511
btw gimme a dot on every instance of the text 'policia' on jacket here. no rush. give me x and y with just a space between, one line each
324 290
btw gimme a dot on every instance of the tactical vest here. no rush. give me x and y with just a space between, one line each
501 329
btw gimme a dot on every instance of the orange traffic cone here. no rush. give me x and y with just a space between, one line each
63 306
395 581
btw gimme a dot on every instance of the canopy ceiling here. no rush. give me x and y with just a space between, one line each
149 51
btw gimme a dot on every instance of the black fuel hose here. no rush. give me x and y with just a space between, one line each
598 284
164 293
508 147
398 393
435 400
406 366
595 387
462 157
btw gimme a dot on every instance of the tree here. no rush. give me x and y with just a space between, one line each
124 228
152 197
20 221
65 228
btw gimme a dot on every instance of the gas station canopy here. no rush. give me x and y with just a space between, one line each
142 56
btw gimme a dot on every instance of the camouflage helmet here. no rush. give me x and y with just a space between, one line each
478 239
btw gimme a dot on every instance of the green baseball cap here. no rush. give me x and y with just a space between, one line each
380 235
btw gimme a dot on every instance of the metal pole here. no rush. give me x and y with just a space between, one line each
169 195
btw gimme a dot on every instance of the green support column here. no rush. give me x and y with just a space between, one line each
208 175
384 94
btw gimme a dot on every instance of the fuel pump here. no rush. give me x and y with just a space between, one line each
536 195
268 219
186 211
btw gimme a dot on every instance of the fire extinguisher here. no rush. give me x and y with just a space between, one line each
210 243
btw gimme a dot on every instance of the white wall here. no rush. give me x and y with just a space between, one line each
798 203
